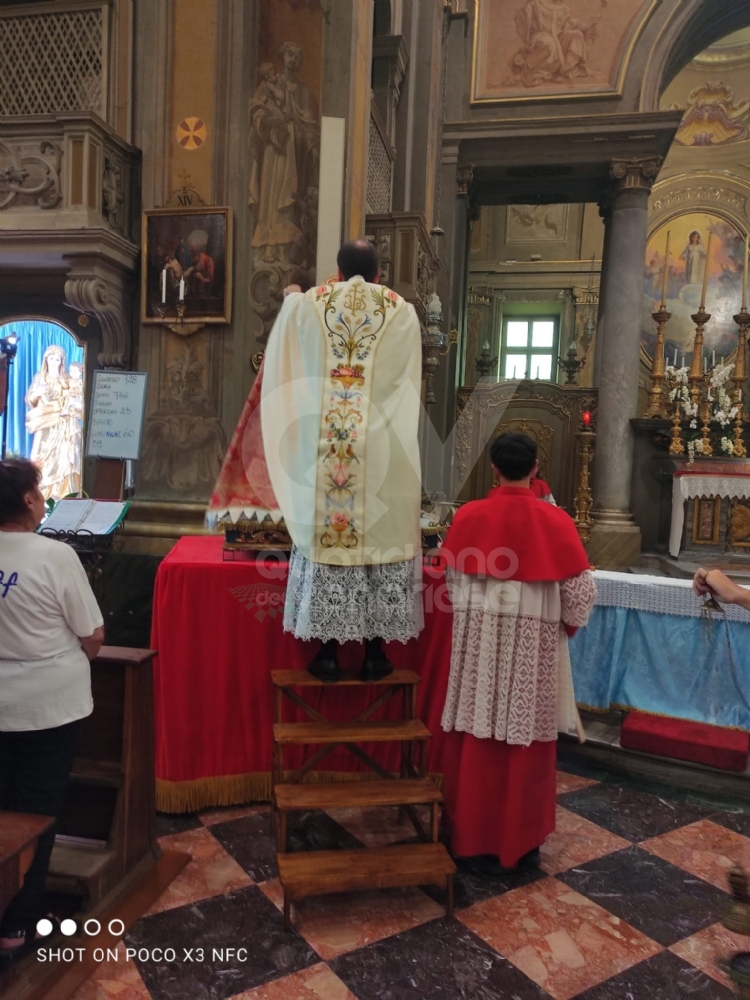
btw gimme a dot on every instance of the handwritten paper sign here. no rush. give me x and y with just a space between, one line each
116 415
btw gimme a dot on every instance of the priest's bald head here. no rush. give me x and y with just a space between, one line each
359 258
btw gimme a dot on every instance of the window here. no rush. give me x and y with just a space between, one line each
530 347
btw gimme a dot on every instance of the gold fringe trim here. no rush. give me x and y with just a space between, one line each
657 715
239 789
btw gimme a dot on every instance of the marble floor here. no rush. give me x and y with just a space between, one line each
626 905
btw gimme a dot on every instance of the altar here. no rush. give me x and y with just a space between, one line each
710 508
217 627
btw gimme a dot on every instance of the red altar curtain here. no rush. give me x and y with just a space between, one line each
217 627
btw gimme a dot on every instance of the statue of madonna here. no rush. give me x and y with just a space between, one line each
48 419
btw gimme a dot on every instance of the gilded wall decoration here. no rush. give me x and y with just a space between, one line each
536 224
687 260
537 49
713 116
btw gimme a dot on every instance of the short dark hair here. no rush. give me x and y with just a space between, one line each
358 258
18 476
513 455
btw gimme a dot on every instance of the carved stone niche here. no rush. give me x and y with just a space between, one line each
408 262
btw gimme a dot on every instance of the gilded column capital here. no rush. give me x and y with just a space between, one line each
635 175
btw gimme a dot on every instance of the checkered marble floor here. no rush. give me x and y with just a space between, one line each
626 905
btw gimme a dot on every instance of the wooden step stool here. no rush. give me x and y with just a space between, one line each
323 872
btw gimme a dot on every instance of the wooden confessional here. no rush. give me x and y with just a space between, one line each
551 414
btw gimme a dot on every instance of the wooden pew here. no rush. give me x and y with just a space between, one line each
107 833
19 835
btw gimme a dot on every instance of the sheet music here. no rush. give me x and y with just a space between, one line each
103 517
100 517
67 515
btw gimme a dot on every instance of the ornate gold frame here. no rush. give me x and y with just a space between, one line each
616 91
190 319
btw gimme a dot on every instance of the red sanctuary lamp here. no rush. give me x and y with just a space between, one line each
587 420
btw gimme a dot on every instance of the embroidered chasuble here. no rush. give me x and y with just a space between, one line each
340 403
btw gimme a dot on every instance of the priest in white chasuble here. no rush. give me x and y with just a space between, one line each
340 408
520 584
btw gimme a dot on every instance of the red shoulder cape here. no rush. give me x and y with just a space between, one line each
512 536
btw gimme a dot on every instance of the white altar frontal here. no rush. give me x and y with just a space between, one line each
710 509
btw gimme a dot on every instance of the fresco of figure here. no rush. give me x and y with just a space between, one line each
48 403
557 46
284 148
694 256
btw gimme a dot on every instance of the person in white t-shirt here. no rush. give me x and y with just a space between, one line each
50 627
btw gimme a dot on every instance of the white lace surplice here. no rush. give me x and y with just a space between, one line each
350 603
510 675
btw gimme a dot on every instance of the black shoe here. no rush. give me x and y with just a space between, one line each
532 859
484 866
326 669
374 669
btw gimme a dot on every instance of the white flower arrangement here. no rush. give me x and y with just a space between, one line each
723 411
727 445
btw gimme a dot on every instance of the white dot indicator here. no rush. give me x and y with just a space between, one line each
45 927
68 927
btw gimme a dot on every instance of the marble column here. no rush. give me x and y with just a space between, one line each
616 539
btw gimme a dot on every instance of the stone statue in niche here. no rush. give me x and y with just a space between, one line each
285 153
184 441
55 416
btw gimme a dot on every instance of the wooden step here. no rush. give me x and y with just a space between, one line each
381 731
360 794
301 678
320 873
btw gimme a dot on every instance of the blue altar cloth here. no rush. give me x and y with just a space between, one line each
675 664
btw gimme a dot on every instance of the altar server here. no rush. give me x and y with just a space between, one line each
520 584
339 414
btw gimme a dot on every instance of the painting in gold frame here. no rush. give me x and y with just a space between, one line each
706 520
192 246
541 50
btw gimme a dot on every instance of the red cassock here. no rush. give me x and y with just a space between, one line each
500 797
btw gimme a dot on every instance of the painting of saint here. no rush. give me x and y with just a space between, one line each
188 249
285 151
53 418
688 261
694 256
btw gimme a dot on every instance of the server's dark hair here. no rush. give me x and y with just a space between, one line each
513 455
18 476
358 258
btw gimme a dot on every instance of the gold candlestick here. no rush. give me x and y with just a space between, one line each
695 375
677 445
657 403
742 319
584 500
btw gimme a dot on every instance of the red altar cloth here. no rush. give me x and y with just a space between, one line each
217 627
